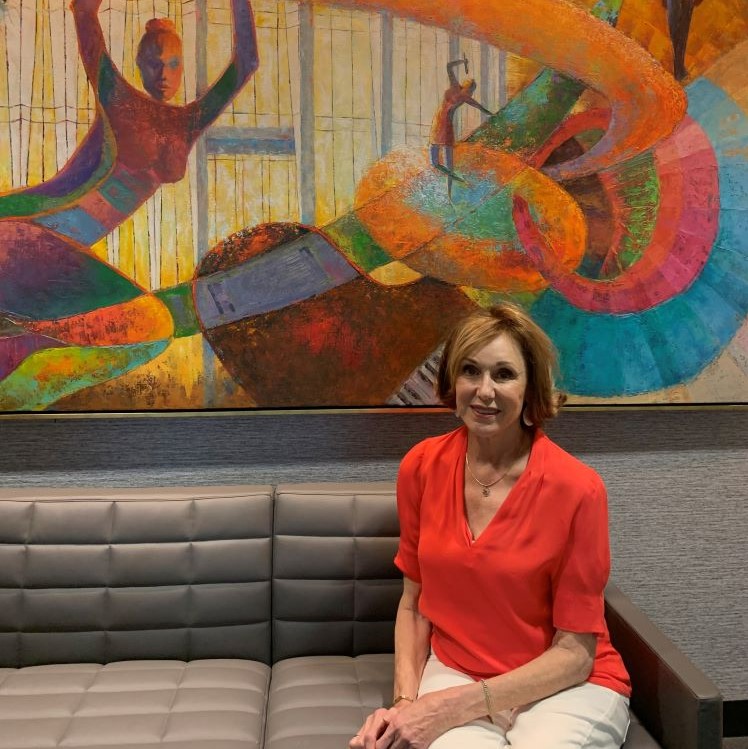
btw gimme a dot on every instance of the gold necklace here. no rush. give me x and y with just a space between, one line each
486 488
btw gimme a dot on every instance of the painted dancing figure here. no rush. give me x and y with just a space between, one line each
442 137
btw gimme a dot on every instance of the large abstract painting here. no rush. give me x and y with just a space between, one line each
224 204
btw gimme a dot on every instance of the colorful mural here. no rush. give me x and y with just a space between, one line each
218 204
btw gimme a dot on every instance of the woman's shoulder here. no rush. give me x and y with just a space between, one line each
561 467
435 447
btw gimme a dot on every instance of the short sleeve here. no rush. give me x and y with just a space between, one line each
580 579
408 512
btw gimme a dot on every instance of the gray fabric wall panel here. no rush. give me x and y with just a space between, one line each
677 483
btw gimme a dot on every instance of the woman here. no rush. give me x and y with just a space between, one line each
500 636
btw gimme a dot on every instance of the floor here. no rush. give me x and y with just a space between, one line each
736 743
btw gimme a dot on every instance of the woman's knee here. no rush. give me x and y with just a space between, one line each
478 734
585 717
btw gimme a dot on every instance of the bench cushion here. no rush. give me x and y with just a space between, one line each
135 704
319 702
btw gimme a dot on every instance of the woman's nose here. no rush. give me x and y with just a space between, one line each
485 387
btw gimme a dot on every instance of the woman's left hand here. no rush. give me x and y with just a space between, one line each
416 725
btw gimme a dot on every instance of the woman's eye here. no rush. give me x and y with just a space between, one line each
504 374
469 369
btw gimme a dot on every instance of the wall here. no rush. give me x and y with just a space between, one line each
677 482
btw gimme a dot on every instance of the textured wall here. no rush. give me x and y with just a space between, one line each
677 480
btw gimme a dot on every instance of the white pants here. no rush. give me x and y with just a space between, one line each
584 717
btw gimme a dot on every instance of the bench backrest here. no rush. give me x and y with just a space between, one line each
335 586
109 574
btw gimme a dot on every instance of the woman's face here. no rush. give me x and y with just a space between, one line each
160 63
490 388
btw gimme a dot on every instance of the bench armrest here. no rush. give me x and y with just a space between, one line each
677 703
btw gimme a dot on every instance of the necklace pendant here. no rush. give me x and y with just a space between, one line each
486 491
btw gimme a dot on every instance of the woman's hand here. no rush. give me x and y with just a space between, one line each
374 726
416 725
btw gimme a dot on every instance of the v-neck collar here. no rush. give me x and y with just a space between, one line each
533 468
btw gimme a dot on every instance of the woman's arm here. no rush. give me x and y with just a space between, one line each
567 662
90 38
243 64
412 635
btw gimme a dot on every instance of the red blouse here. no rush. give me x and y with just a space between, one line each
540 565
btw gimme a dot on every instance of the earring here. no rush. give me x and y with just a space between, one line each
526 420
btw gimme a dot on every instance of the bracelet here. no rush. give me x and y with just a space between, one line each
401 697
487 696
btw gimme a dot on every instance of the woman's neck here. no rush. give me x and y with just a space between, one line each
501 451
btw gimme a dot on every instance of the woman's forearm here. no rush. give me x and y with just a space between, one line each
566 663
412 638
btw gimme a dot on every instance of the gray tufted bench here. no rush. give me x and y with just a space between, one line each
238 616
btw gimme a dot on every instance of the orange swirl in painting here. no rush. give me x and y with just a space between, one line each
646 101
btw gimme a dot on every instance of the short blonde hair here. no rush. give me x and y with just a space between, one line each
542 400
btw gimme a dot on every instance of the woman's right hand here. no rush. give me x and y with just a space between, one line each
374 726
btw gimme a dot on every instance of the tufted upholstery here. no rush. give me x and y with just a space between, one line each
126 574
335 588
318 702
143 581
146 704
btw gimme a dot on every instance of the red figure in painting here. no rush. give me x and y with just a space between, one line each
138 140
442 128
